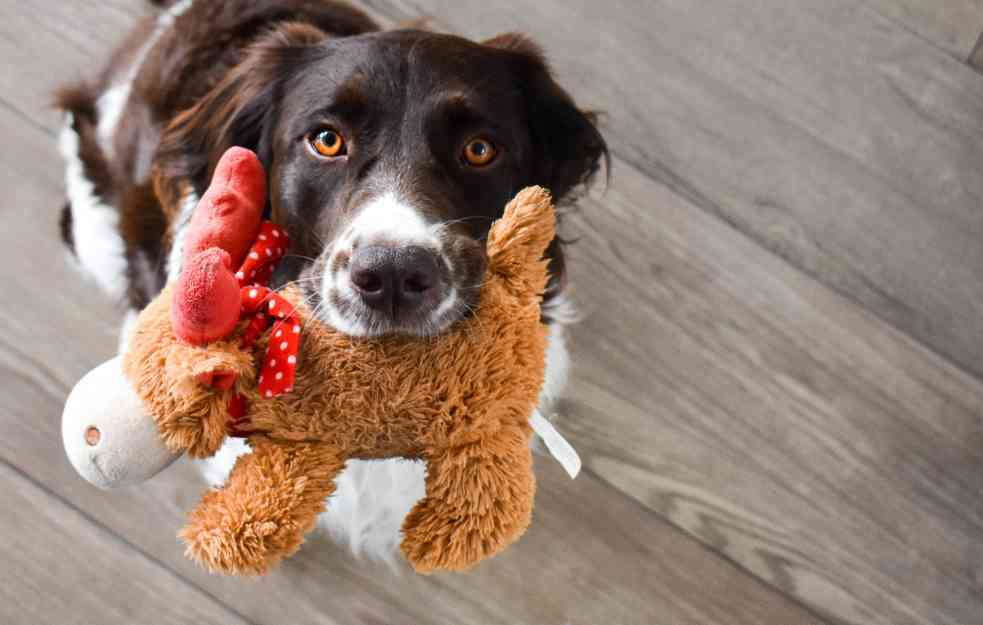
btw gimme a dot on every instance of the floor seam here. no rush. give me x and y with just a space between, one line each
20 114
127 543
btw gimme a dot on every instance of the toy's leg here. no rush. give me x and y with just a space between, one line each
479 499
270 501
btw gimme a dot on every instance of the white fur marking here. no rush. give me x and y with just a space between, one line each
351 327
372 498
126 330
178 231
216 469
557 365
112 102
445 306
95 225
387 218
391 219
109 108
562 310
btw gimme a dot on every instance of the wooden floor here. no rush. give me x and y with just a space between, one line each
778 379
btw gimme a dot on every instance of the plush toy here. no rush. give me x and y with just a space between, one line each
217 353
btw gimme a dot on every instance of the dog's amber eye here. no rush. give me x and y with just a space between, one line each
328 142
479 152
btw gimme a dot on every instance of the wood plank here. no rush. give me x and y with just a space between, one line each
724 364
822 130
77 34
952 25
59 567
815 446
593 555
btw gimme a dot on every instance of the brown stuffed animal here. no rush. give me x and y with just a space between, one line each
460 401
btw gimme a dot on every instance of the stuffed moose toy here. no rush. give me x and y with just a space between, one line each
217 354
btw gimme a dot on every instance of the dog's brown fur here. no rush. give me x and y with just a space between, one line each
200 50
461 401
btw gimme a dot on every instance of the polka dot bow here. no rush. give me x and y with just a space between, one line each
264 307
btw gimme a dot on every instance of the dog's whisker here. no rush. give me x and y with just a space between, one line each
301 256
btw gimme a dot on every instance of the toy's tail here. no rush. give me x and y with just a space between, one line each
518 241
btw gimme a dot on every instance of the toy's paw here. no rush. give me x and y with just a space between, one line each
260 516
436 539
226 537
430 544
479 500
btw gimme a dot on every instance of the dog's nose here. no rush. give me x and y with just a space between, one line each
395 279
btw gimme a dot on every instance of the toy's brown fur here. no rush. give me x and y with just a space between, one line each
460 401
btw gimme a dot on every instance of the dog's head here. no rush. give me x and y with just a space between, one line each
389 156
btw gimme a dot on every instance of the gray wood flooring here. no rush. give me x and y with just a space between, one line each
778 378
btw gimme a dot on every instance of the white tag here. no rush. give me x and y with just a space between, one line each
562 451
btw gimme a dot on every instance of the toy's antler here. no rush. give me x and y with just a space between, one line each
224 225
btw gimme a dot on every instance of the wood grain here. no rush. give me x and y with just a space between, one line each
60 568
975 59
69 40
803 438
952 25
824 131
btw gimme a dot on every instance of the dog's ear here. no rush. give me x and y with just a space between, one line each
238 111
569 147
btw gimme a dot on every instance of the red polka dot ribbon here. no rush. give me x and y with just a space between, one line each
263 308
270 246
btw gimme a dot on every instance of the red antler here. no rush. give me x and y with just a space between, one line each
224 225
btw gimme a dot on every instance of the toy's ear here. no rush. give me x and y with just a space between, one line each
517 242
238 111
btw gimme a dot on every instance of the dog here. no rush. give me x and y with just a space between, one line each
389 153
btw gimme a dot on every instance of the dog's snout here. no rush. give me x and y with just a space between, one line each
396 279
397 269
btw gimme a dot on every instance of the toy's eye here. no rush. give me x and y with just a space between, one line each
479 152
92 436
328 142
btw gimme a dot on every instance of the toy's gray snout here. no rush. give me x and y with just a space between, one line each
108 436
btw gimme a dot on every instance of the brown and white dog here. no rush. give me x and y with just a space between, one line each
389 154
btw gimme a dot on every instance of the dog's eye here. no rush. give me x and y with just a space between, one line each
328 142
479 152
